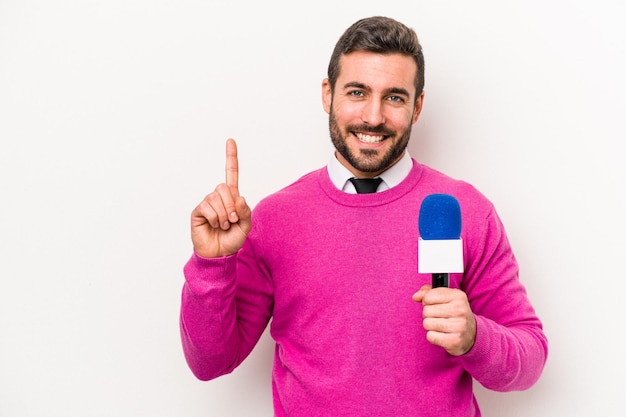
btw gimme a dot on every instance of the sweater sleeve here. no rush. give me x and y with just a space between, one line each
511 348
226 304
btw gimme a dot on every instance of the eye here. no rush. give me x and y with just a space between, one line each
396 99
356 93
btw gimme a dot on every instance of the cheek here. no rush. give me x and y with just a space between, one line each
400 120
347 114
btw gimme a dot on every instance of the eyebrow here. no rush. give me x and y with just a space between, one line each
392 90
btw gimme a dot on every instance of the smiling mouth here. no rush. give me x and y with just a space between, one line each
369 138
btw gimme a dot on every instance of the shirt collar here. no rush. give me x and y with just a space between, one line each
340 175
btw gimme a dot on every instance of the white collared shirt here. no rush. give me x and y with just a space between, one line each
340 175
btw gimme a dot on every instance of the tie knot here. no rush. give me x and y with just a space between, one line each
366 185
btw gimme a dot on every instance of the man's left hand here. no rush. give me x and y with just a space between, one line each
448 318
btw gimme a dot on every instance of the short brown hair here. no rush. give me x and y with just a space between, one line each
381 35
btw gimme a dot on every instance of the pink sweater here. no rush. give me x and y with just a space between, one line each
335 273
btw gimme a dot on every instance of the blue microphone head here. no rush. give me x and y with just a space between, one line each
440 217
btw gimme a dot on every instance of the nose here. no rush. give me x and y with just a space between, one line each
373 112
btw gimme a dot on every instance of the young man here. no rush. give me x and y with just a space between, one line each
337 271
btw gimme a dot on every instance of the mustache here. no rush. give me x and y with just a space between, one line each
380 129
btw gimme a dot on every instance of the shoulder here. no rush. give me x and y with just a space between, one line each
303 189
434 181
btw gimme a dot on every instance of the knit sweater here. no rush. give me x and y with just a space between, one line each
335 273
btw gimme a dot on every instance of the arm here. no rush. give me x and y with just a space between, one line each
224 310
222 314
511 348
490 325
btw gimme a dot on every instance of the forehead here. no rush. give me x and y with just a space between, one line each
377 71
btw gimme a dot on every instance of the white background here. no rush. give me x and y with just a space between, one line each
113 117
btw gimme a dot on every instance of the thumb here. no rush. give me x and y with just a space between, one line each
418 297
244 213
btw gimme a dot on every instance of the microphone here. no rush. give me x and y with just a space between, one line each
440 247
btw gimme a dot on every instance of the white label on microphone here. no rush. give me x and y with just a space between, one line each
440 256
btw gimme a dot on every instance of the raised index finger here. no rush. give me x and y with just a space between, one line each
232 166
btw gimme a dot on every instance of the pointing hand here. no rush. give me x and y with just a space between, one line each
221 222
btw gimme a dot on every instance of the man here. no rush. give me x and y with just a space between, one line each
336 272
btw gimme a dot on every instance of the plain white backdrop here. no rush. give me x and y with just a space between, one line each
113 117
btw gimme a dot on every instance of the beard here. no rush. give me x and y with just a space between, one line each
368 160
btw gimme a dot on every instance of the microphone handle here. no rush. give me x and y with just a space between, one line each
440 280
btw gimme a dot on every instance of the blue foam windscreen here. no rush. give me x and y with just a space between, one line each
440 217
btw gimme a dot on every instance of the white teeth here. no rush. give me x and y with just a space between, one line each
368 138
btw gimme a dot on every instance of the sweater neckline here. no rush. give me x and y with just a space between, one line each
374 199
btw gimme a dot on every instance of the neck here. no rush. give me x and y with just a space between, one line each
363 174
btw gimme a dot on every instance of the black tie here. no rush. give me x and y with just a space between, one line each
366 185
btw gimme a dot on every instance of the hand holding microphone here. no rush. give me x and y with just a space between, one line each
448 318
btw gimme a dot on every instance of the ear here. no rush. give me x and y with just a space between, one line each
418 107
327 95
